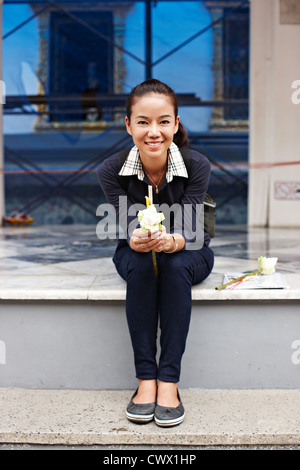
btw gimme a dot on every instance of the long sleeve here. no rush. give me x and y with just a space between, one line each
123 203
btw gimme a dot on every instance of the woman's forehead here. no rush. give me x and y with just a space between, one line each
153 100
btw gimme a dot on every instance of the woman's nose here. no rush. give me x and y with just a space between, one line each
153 129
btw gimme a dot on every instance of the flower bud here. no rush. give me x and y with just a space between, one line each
150 219
267 265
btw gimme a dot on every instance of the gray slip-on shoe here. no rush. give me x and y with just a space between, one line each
169 416
140 413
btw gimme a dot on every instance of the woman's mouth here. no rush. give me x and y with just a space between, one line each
154 144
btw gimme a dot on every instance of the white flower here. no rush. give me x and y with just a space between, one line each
150 219
267 265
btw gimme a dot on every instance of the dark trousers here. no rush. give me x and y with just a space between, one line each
165 299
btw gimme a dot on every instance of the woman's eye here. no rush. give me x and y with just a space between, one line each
144 123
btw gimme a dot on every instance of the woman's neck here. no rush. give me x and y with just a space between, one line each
154 166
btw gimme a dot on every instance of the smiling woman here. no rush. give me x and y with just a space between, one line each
154 124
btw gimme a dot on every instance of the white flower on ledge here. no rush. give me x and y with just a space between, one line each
266 266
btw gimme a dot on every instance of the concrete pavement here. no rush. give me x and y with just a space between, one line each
97 417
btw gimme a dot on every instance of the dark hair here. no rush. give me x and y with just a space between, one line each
155 86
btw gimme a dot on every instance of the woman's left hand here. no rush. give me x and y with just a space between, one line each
167 243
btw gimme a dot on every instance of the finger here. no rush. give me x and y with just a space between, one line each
145 235
158 247
136 232
155 235
155 244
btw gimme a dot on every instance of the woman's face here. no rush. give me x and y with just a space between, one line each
152 126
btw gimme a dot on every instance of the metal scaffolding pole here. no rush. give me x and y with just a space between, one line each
148 38
2 99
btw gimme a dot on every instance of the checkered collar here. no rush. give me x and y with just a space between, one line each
133 164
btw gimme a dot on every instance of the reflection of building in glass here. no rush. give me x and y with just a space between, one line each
82 70
230 64
79 63
89 56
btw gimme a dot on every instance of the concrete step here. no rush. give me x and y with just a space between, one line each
213 418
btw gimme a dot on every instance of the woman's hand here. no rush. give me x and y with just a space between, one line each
143 242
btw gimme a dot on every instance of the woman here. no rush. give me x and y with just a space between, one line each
154 124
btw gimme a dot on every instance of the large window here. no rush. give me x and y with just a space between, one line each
81 63
68 66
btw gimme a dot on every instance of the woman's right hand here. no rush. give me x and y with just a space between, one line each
143 242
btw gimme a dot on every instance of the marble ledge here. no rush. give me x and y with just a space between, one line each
85 287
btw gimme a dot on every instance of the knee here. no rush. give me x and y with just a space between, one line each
140 267
176 265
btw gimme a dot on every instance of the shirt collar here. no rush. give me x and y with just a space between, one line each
133 164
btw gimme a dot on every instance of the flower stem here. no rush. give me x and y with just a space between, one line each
233 281
154 263
148 203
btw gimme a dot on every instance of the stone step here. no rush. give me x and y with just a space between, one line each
86 345
97 417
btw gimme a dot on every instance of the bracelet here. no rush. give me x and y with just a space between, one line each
176 244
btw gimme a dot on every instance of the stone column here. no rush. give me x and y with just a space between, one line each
274 175
2 100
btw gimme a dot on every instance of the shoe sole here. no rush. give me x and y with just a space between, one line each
169 422
139 418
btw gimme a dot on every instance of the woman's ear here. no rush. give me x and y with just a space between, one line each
176 124
127 122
